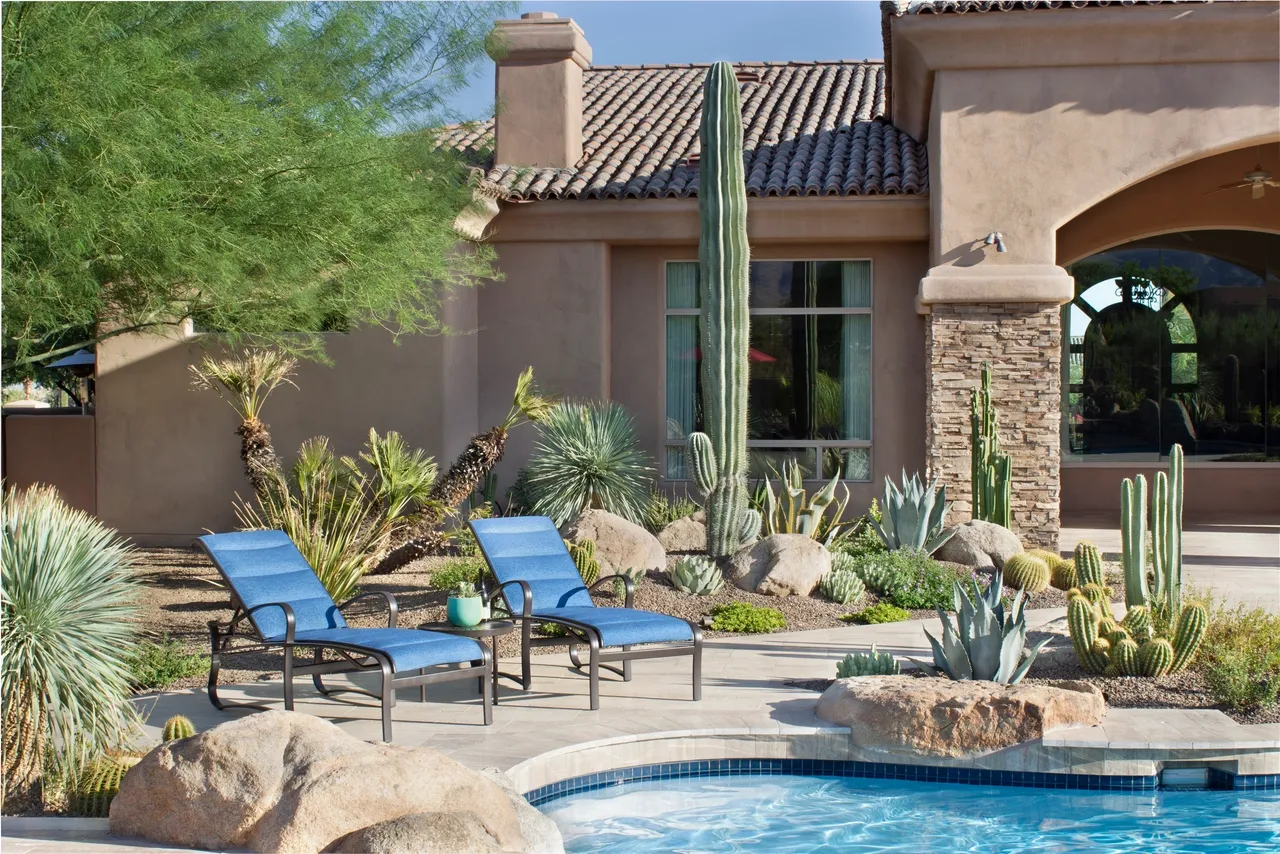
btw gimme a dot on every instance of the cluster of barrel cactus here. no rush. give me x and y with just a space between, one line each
842 586
1027 572
1131 647
99 783
718 457
697 575
584 557
867 664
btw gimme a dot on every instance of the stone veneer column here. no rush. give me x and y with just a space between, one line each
1023 343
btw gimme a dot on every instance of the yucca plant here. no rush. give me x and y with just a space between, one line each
587 456
65 634
246 382
913 517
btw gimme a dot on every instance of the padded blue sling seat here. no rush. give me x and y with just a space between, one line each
276 592
539 583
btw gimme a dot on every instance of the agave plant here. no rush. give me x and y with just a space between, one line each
66 630
697 575
913 517
796 513
986 642
587 456
246 382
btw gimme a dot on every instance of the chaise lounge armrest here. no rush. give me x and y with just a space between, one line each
631 587
290 621
393 609
526 595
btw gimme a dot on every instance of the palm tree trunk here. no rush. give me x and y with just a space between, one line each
258 455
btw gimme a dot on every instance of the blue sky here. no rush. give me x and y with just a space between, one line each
625 32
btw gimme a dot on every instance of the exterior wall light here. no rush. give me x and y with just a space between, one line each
997 239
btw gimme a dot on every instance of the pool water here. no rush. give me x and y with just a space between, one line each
783 814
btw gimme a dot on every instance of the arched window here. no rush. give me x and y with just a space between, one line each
1175 339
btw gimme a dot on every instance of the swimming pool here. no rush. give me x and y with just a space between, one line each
784 814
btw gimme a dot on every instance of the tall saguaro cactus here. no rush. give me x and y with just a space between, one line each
991 470
719 456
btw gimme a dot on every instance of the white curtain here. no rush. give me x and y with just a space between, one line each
682 361
855 370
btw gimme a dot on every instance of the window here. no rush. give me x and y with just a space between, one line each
809 395
1176 338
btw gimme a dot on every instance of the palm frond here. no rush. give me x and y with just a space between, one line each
401 477
247 381
527 402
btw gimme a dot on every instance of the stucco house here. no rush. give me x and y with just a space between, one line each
1031 184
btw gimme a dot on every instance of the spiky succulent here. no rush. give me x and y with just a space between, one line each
1027 572
867 664
914 516
588 456
697 575
842 586
986 642
99 784
584 557
178 726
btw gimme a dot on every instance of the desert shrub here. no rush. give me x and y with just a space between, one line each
861 539
66 628
1240 657
881 612
660 510
465 570
155 666
745 618
908 578
587 455
463 538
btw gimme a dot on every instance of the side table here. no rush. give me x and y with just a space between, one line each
491 629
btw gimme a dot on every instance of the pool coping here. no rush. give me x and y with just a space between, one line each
1051 762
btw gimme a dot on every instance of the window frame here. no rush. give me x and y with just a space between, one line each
766 444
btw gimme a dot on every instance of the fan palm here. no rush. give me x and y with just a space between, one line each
65 633
245 383
587 456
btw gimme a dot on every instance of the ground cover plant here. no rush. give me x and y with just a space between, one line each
907 578
881 612
456 571
745 618
66 631
155 665
1240 658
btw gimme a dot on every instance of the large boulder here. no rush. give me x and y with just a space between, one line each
684 535
780 565
541 835
619 544
422 833
288 782
939 717
982 545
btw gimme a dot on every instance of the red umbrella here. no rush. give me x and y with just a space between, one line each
752 353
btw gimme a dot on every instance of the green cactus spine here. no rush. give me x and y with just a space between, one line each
99 784
1124 657
1088 564
1138 622
1193 624
1097 594
724 256
990 470
1025 572
1166 536
1155 657
177 727
584 557
1062 575
1082 621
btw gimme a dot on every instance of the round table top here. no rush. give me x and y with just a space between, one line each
483 629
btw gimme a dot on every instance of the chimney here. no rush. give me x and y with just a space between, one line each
539 90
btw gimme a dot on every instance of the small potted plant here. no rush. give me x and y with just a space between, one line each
466 605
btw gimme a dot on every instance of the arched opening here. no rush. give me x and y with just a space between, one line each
1175 339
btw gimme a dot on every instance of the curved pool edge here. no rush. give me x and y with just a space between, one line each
657 755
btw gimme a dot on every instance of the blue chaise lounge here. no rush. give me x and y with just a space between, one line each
277 593
539 582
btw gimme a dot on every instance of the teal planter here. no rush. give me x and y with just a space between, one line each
466 611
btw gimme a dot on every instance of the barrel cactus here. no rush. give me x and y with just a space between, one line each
1089 565
842 586
178 726
867 664
1025 572
718 457
1128 648
584 557
99 784
1062 574
697 575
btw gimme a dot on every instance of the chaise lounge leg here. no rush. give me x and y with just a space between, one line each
697 663
388 697
215 664
288 678
626 666
486 693
526 641
593 670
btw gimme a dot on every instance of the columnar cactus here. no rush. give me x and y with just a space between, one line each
177 727
1188 634
1166 538
1088 565
584 557
1133 540
1026 572
990 470
719 456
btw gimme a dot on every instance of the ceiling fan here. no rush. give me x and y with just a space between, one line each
1257 181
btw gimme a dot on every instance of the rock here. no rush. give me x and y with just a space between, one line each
938 717
982 545
684 535
780 565
288 782
1176 426
541 834
422 833
619 544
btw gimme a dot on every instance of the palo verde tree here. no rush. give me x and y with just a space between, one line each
264 169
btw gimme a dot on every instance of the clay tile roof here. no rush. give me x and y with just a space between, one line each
809 129
939 7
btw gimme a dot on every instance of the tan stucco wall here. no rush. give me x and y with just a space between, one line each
168 455
1213 491
56 450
